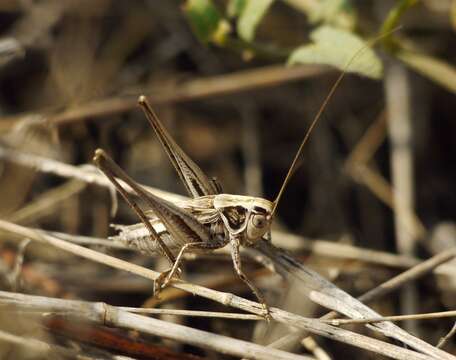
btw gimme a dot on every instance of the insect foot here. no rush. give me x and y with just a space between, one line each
164 279
266 312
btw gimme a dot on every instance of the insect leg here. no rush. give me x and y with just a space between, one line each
235 254
112 170
194 179
166 277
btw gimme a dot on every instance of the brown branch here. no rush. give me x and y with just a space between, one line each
244 80
200 338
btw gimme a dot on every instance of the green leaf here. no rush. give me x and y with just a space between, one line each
334 12
251 15
338 13
433 68
393 19
339 48
204 18
235 7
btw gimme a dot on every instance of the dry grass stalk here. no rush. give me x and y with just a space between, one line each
232 300
109 315
192 90
380 291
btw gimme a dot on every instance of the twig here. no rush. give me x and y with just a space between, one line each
380 291
397 88
108 315
85 240
192 90
324 293
16 273
194 313
366 147
10 49
102 337
312 346
357 166
228 299
319 290
90 174
87 173
425 316
39 347
45 203
447 337
410 275
383 190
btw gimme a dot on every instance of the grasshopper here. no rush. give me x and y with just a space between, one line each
210 219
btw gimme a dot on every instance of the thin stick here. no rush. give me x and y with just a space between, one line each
86 240
227 299
47 202
194 313
348 306
400 134
90 174
195 89
40 347
87 173
378 292
425 316
112 316
447 337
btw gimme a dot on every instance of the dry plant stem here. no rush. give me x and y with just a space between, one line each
87 173
191 90
342 251
15 275
324 293
426 316
412 274
228 299
312 346
38 347
85 240
351 309
91 175
397 87
95 336
105 314
357 165
10 48
382 189
447 337
212 314
368 144
47 202
378 292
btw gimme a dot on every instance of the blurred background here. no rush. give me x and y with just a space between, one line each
237 83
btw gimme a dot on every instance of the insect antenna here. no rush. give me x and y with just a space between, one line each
322 108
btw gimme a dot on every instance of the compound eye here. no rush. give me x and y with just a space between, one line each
259 221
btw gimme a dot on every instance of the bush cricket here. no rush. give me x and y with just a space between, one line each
210 219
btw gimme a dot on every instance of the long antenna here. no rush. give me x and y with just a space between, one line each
320 112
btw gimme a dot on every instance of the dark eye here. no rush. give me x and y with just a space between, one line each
259 221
